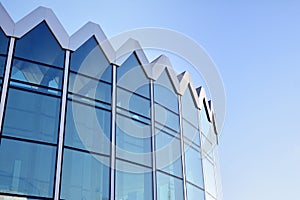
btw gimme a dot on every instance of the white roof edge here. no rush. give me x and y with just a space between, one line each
87 31
6 22
35 17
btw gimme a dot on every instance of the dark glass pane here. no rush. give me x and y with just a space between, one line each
41 46
90 88
193 164
169 188
84 176
133 140
164 93
89 59
189 109
166 118
27 168
36 74
133 186
168 154
32 116
133 102
131 76
87 128
2 65
194 192
4 40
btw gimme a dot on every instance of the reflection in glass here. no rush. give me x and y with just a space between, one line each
209 177
166 118
3 43
29 72
41 46
190 132
189 109
84 176
31 116
133 186
28 169
90 133
169 187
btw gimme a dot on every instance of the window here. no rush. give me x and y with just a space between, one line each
169 187
194 192
28 169
4 41
130 185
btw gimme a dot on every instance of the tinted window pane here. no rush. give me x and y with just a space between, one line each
189 110
36 74
164 92
194 192
166 118
89 59
193 164
28 169
133 140
40 45
190 132
3 42
90 133
209 177
169 188
133 102
31 115
133 186
89 88
204 123
168 154
2 65
131 76
84 176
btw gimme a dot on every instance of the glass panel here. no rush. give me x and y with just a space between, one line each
2 65
164 92
90 60
89 88
27 169
131 76
4 197
3 42
189 111
209 177
32 116
89 133
166 117
133 186
84 176
168 154
169 188
133 102
40 45
133 140
193 164
204 123
194 192
36 74
190 132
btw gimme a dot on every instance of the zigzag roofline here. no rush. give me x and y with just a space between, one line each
153 70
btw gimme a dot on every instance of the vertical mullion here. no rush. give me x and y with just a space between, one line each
153 139
113 133
5 83
182 147
62 127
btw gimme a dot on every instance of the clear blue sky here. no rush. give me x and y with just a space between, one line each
256 47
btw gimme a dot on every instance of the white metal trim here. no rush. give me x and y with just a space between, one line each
6 79
113 132
62 127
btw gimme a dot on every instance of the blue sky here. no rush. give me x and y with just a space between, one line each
256 47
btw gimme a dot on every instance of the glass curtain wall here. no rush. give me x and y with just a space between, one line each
32 115
167 138
86 154
4 44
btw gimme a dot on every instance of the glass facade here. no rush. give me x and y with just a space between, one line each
76 126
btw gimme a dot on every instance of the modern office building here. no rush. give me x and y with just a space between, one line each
76 124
